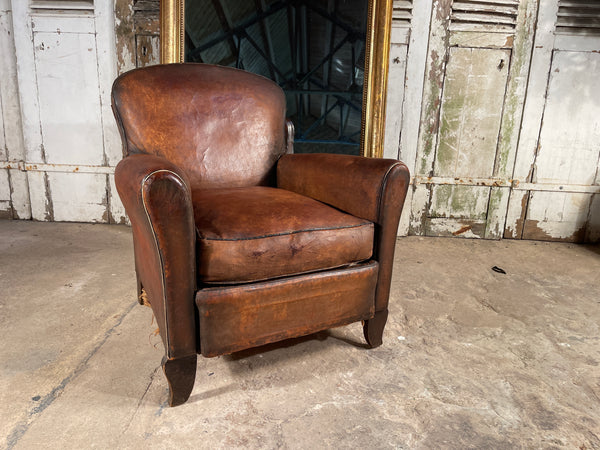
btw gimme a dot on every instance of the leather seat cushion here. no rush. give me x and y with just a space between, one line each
258 233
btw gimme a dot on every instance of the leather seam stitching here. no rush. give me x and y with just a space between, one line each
160 256
286 233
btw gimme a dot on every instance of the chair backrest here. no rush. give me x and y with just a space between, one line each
224 127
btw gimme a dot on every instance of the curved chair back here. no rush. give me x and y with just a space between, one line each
224 127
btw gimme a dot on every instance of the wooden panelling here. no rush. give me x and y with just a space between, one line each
471 111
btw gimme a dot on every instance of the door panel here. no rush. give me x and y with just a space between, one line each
459 202
477 67
70 110
65 70
556 216
470 121
556 179
571 121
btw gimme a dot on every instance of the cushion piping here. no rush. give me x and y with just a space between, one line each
283 233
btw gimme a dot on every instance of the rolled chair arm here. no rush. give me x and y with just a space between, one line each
157 198
370 188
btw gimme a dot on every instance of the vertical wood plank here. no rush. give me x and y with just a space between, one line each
26 74
496 212
569 146
413 97
125 35
395 100
512 115
39 194
117 210
593 220
415 78
535 101
19 194
107 71
429 122
515 214
5 206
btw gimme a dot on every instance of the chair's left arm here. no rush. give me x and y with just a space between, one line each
370 188
157 198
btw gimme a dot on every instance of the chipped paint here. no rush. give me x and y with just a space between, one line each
438 43
124 29
544 231
48 204
471 229
431 100
471 111
464 202
557 158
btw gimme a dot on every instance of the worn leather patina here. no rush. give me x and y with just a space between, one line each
238 242
258 233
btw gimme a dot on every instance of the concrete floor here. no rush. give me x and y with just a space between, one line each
471 358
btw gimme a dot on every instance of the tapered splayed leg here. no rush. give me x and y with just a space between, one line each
373 328
180 374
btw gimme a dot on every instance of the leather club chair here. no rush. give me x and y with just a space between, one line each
239 242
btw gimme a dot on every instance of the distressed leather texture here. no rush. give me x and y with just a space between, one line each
257 233
222 131
374 189
157 199
235 317
238 242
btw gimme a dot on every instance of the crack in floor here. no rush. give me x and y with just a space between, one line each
152 377
21 427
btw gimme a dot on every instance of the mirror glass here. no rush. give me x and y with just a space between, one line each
314 50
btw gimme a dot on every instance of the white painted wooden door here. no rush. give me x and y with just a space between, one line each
476 73
66 63
556 193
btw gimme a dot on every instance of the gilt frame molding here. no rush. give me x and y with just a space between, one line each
172 32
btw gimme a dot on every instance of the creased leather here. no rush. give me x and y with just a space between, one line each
374 189
157 198
234 318
223 127
257 233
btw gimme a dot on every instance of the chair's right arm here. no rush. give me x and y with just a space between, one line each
371 188
157 198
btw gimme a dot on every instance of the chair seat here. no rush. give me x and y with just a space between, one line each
259 233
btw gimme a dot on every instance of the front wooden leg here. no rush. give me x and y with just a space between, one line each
180 374
373 328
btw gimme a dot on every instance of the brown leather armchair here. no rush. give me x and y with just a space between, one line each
238 242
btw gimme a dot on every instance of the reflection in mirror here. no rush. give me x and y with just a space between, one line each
314 50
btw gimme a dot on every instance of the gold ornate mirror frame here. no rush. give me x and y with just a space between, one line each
172 29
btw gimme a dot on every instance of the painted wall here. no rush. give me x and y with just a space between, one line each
493 106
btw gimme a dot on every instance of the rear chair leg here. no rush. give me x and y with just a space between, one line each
180 374
373 328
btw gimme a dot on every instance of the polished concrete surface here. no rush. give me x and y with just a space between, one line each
471 358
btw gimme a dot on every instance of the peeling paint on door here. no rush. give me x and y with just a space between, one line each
469 115
559 149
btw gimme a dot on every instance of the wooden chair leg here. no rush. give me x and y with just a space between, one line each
373 328
180 374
